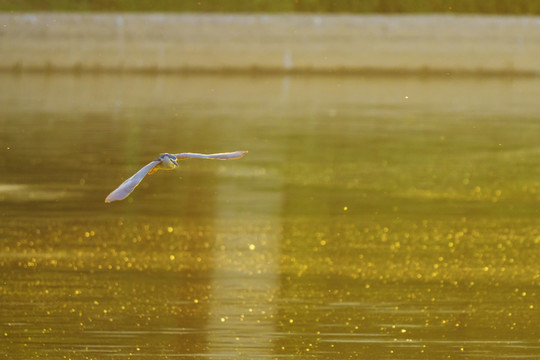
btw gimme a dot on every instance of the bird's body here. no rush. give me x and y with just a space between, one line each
164 162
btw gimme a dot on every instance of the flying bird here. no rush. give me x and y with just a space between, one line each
164 162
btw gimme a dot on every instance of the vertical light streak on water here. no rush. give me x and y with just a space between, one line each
245 281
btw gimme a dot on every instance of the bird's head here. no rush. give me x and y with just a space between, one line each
168 161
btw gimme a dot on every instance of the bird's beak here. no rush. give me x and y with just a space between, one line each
174 161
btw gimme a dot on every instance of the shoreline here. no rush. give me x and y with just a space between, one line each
355 45
254 71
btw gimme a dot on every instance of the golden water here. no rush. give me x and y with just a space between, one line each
373 218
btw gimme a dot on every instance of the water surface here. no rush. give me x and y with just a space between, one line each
373 218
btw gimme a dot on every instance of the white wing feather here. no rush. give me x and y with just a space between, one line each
220 156
127 186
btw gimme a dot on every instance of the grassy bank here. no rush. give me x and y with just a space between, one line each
514 7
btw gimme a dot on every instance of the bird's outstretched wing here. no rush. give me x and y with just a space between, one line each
127 186
220 156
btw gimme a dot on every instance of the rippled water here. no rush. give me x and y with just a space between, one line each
372 218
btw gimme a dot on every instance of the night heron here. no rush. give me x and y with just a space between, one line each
164 162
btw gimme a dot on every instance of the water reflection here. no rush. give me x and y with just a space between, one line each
373 217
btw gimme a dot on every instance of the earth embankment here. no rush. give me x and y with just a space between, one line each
437 44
